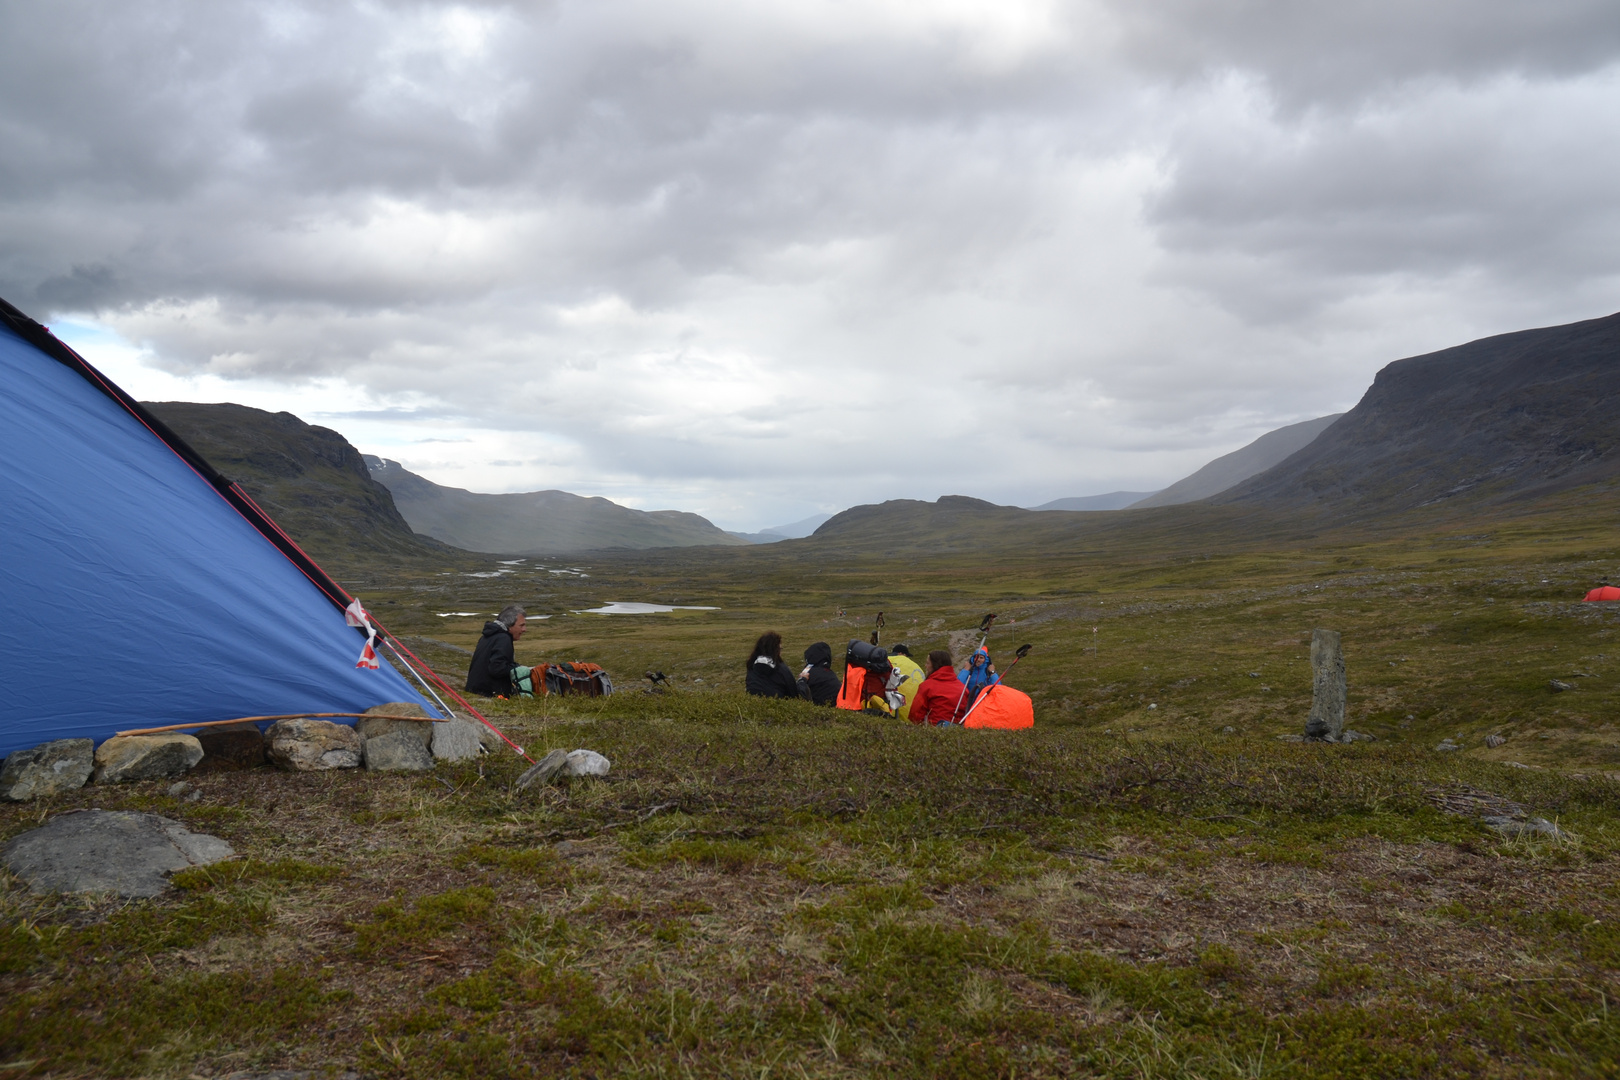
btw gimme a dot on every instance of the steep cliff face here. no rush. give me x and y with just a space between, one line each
309 479
1503 418
537 522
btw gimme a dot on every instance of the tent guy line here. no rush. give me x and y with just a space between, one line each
285 716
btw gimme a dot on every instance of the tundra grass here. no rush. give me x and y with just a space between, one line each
1150 883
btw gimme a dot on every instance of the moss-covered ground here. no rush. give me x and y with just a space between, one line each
1150 883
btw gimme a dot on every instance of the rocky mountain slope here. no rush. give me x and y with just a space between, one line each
1231 469
537 522
1510 417
309 479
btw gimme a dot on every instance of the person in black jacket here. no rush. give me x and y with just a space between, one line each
768 676
493 663
818 683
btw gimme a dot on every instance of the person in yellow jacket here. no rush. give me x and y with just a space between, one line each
912 677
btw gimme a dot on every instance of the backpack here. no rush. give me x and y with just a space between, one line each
576 678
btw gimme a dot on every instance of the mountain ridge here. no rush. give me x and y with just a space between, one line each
1229 470
1510 416
537 522
1113 500
308 478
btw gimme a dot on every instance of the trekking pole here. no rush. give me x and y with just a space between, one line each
984 636
1023 651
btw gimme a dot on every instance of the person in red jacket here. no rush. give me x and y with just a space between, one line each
940 699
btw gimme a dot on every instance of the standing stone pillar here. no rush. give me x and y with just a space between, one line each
1327 688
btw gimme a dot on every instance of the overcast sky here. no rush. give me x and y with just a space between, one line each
763 260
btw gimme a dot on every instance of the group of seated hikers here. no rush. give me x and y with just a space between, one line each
884 681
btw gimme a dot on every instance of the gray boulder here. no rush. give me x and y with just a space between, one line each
586 763
306 745
124 758
455 740
114 851
1493 741
486 737
47 769
371 725
397 751
1558 686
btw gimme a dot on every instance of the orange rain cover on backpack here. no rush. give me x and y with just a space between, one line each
849 695
1000 706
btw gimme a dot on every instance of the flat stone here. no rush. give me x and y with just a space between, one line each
1493 741
307 745
455 740
586 763
231 748
543 771
1447 746
370 726
116 851
397 751
1515 827
1326 721
1558 686
47 769
145 757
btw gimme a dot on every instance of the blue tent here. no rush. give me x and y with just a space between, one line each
138 587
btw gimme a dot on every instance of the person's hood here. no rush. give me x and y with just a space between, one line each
492 628
980 658
819 655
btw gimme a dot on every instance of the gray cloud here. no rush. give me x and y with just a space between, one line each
700 257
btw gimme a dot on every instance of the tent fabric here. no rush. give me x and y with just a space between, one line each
1001 707
132 593
1604 592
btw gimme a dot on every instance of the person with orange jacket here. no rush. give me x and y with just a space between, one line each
940 698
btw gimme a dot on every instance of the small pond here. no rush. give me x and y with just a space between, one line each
617 607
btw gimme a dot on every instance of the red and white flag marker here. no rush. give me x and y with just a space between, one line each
355 615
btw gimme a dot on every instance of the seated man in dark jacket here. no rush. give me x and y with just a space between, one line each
493 663
768 675
818 682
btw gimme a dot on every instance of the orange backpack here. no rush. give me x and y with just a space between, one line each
1000 706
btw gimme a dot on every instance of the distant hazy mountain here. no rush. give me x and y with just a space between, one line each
1507 417
797 530
536 522
1114 500
309 479
1234 468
